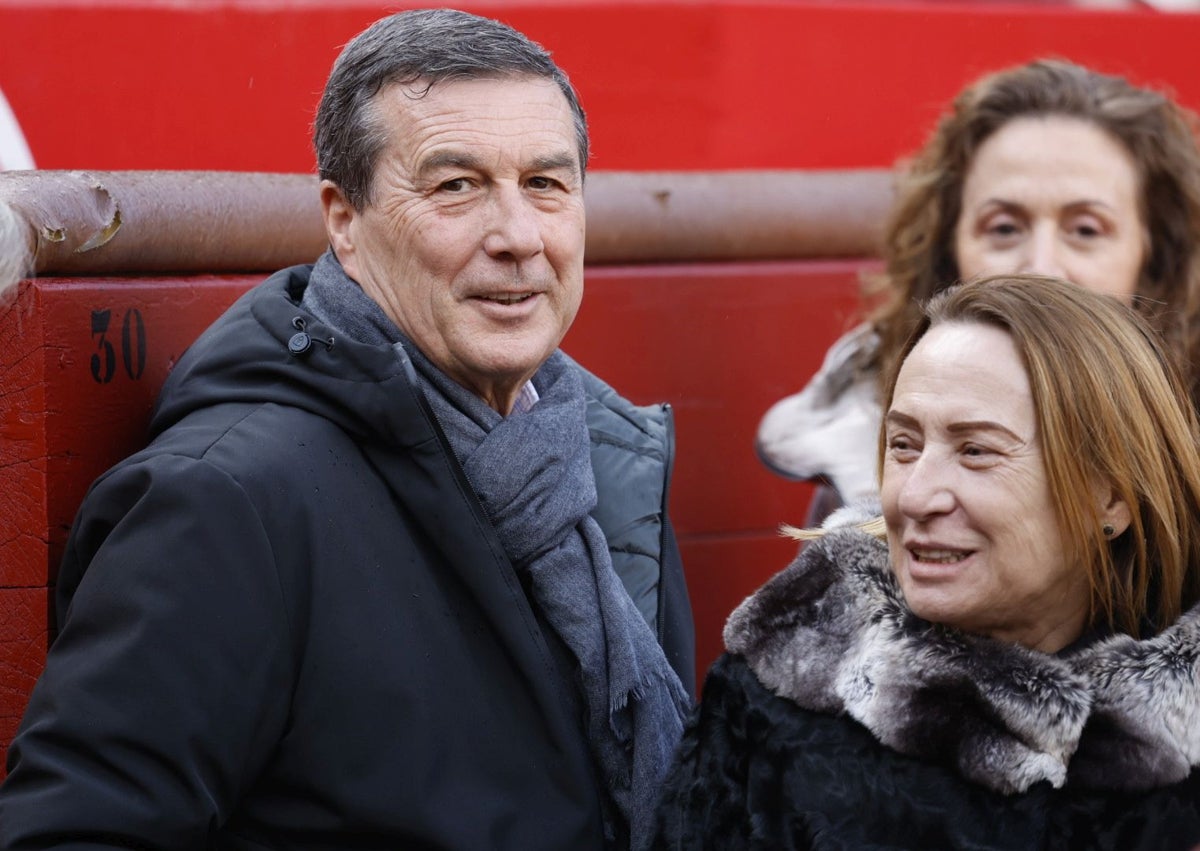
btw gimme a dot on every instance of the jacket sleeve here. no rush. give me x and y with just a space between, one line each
168 684
678 630
704 802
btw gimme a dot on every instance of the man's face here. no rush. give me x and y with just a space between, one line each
472 242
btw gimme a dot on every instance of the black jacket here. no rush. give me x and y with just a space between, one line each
838 719
287 623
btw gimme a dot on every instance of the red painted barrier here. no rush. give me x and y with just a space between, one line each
23 631
83 360
81 364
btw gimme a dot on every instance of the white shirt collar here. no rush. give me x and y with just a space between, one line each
526 399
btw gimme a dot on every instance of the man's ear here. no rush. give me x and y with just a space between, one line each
1114 511
339 215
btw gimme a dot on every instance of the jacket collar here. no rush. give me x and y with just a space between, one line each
832 633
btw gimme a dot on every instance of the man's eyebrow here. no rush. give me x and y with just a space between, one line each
554 162
470 162
449 159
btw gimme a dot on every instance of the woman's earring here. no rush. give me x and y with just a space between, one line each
1109 530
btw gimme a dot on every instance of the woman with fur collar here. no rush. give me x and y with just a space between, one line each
1010 656
1050 168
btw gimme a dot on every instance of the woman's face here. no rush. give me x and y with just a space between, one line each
971 529
1054 196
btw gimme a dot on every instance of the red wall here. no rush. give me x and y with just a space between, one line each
668 85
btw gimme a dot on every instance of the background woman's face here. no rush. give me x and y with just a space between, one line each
1055 196
972 531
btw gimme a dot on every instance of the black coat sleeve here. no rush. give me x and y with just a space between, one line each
168 684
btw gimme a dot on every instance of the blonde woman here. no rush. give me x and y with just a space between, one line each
1004 654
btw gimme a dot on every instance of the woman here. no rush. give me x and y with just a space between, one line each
1010 658
1048 168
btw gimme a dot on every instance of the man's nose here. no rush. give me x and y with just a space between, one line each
513 225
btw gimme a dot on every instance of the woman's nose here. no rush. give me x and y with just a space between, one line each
1043 254
927 489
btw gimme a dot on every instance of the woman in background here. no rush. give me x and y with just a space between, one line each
1049 168
1009 658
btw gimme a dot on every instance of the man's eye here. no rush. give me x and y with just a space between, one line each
458 184
541 183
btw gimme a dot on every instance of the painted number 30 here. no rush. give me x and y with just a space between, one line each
133 346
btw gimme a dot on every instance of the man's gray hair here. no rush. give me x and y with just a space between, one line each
417 47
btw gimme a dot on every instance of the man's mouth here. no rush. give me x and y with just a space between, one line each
508 298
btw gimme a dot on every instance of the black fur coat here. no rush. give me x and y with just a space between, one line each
838 719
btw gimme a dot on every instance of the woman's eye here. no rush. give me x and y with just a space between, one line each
1002 229
974 450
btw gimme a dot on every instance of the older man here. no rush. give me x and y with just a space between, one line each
394 572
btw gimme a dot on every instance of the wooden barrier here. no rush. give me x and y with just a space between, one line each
692 292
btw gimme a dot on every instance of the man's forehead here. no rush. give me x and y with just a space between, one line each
476 99
422 88
453 122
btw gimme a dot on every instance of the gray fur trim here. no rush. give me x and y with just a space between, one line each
853 513
832 633
1146 696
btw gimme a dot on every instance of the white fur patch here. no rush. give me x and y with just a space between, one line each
830 429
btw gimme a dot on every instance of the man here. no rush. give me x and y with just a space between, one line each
359 592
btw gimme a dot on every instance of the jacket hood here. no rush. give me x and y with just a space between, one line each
833 634
266 349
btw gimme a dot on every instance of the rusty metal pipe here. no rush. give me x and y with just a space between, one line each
140 222
648 217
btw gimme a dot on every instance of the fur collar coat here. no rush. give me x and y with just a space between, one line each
838 718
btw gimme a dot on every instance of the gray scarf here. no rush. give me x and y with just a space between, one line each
533 475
